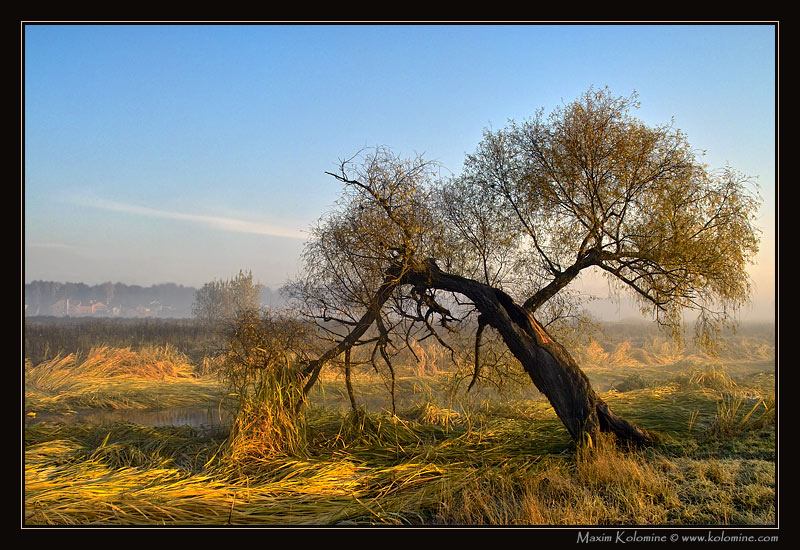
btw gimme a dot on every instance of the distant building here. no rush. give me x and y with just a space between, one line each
81 309
43 298
65 307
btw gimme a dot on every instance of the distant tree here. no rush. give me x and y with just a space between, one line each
219 302
107 292
538 203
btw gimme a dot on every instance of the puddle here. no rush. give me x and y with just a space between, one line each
196 417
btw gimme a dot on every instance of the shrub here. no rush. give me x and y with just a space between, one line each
262 371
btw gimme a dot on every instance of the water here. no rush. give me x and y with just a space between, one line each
197 417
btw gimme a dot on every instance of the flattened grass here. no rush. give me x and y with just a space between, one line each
490 467
476 461
117 378
73 479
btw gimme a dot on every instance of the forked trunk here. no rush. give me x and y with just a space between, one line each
552 369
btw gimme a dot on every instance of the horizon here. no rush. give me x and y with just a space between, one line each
180 154
605 309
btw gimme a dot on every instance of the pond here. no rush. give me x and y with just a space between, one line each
197 417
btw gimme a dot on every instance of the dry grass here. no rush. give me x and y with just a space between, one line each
604 485
471 461
608 486
104 362
116 378
68 482
262 431
737 413
364 486
484 467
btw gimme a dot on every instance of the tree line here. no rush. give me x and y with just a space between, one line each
44 298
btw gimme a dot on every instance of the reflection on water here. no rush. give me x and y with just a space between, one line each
197 417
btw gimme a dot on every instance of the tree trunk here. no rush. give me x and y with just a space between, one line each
552 369
348 384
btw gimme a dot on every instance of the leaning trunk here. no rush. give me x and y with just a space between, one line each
552 369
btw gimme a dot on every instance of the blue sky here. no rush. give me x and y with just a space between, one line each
172 153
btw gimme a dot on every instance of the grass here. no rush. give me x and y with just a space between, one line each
117 378
400 473
444 459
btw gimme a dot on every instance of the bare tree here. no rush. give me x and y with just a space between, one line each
538 203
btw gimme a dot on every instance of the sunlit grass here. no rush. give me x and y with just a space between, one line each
395 472
444 459
117 378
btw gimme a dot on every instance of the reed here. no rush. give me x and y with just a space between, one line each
737 413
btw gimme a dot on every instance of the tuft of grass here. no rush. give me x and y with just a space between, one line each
712 376
736 413
266 423
430 413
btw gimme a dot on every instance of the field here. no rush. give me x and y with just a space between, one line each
447 458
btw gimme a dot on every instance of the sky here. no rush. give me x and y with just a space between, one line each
184 153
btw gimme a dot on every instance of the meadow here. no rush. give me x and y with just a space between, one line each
488 457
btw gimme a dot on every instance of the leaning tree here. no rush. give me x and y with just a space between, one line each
588 187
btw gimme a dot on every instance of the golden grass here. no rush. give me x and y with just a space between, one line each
104 361
738 413
117 378
608 486
63 485
394 472
473 461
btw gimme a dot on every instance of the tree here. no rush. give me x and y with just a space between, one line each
537 204
218 303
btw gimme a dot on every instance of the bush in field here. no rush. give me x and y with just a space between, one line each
261 369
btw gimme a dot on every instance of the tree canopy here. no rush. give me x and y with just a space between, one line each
592 186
